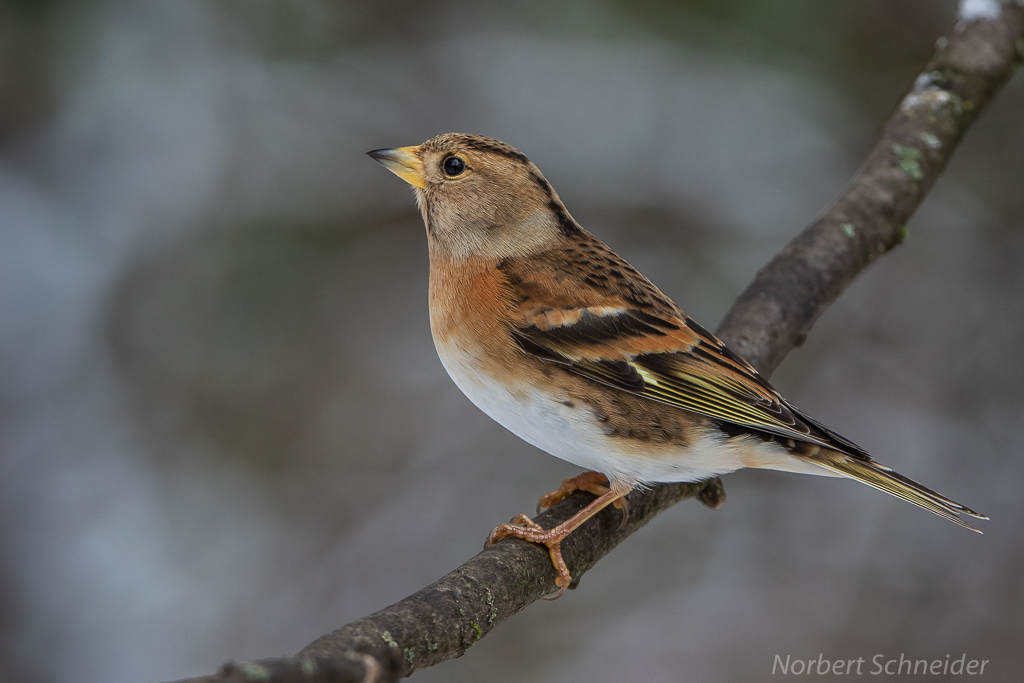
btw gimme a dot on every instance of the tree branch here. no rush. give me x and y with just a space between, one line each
770 318
775 313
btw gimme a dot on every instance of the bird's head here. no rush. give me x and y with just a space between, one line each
479 197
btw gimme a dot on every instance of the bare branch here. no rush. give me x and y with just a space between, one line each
776 311
769 319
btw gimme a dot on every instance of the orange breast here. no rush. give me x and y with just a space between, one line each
470 311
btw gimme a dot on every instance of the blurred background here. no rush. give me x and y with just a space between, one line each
224 430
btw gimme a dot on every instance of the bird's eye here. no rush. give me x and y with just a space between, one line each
453 166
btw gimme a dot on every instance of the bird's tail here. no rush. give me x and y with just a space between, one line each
884 479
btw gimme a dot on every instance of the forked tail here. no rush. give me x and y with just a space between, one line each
884 479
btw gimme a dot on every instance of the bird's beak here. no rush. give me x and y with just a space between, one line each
404 162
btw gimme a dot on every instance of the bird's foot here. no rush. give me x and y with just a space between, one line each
591 482
525 528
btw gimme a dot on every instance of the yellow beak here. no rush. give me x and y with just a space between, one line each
404 162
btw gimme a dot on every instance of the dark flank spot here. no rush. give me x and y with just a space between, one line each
568 404
657 431
600 415
620 407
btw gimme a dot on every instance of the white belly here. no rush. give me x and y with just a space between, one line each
572 433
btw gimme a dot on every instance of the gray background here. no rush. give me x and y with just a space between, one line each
224 429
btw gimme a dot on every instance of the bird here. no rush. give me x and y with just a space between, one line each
561 341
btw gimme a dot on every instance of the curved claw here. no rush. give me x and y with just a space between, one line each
502 530
623 505
557 594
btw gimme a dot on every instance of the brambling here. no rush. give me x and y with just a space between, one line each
557 338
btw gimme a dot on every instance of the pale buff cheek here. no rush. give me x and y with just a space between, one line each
493 231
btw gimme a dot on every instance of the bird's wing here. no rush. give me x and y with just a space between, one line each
665 356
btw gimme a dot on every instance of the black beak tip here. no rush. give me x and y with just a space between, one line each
377 154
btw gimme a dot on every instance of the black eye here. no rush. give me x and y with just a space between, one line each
453 166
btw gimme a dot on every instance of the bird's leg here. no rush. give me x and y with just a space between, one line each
592 482
525 528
